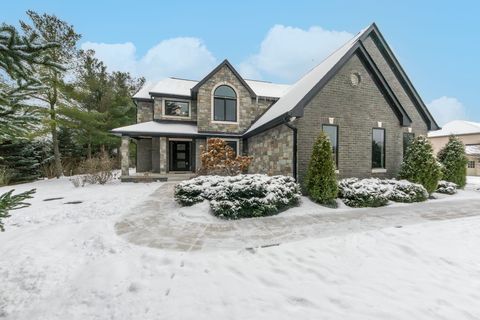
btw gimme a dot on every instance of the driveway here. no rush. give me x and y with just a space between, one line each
161 223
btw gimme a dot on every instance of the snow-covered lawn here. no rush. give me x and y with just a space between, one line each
65 261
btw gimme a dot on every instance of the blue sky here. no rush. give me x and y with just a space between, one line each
435 41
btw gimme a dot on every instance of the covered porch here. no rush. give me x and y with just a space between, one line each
165 151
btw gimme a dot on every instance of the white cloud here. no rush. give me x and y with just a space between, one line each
287 53
445 109
180 57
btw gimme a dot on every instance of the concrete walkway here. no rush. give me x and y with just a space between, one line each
162 223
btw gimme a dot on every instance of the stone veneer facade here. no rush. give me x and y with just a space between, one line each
272 151
248 108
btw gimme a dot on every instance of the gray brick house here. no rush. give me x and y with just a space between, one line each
359 96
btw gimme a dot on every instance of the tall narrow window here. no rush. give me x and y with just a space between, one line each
378 148
331 131
407 141
225 104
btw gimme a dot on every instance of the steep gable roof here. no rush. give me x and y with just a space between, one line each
297 97
214 71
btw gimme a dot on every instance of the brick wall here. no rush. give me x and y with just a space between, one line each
272 151
418 124
356 110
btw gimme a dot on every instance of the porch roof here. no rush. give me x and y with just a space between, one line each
166 128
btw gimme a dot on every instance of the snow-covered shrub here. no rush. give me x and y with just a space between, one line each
241 196
446 187
420 165
377 192
454 162
320 180
405 191
363 193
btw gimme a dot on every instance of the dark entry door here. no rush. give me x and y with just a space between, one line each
179 156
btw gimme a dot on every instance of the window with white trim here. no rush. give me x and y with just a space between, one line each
471 164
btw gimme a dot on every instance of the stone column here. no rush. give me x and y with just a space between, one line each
125 154
163 155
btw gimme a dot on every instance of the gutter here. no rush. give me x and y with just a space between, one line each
295 131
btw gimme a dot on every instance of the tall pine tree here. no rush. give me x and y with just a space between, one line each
19 57
50 29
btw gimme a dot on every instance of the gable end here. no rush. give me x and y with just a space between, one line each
226 63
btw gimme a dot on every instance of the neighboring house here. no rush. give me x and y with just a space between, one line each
469 133
359 96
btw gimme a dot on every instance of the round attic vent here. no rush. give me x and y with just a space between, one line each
355 79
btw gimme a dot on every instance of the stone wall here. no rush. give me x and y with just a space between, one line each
272 151
356 109
144 111
249 108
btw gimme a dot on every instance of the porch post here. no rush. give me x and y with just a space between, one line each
125 154
163 155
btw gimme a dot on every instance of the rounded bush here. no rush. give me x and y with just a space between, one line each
241 196
376 192
447 187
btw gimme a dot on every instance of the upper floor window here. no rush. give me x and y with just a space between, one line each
378 148
225 104
175 108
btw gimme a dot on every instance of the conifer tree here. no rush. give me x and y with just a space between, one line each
420 165
50 29
19 56
454 160
320 180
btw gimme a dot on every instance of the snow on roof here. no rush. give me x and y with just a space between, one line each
174 86
473 149
143 93
456 127
159 127
300 89
268 89
181 87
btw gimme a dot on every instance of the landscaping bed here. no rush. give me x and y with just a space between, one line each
240 196
375 192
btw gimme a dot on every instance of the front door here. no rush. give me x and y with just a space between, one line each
179 155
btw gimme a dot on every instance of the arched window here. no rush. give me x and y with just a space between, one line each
225 104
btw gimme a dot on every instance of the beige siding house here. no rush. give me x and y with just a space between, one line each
360 96
469 133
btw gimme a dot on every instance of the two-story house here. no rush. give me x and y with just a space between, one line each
359 96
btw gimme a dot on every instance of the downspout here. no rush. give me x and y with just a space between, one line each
289 119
